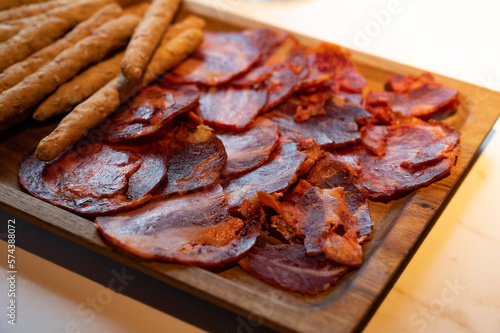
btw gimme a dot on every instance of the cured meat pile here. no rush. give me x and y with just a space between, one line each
254 152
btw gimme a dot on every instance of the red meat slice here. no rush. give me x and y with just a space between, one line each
152 108
281 84
321 220
96 179
220 57
328 227
330 68
272 52
249 149
331 173
294 157
404 83
374 138
231 108
196 158
290 268
416 154
281 66
195 229
331 126
412 96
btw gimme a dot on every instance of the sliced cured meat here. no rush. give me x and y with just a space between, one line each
337 127
290 268
330 172
195 159
249 149
309 105
281 84
420 102
96 179
294 157
374 138
152 108
321 219
405 83
281 66
231 108
418 97
195 229
330 68
272 52
328 227
416 154
220 57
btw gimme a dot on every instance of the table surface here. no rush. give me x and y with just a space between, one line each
450 285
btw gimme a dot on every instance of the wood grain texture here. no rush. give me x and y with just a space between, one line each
399 225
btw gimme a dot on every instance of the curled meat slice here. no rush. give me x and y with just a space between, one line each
294 157
280 85
319 218
416 154
404 83
281 66
330 68
330 172
220 57
269 43
374 138
289 267
412 96
249 149
152 108
194 229
328 227
96 179
195 160
231 108
333 125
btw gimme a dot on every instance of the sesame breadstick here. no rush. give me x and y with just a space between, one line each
29 10
74 12
6 4
138 9
19 71
16 103
147 37
31 39
90 113
82 86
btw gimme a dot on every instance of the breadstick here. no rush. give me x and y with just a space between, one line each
82 86
7 31
74 12
19 71
90 113
147 37
138 9
29 10
191 21
127 3
6 4
31 39
16 103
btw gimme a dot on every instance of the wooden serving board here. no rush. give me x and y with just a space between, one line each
399 225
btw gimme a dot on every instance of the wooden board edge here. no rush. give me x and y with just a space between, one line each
226 300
